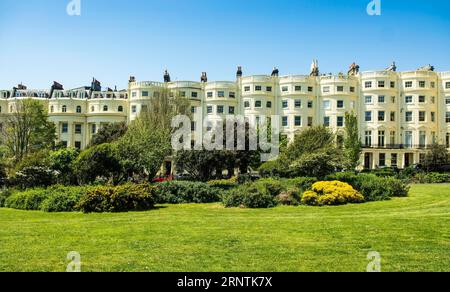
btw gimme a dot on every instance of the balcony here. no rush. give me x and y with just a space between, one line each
398 146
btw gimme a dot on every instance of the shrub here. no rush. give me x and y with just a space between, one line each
332 193
247 178
310 198
302 183
291 197
372 187
98 161
62 161
63 199
224 184
34 176
27 200
123 198
4 195
263 193
432 178
272 186
179 192
271 169
250 196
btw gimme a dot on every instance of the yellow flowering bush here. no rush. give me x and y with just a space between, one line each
331 193
224 183
310 198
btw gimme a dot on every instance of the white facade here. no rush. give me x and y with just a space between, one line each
400 113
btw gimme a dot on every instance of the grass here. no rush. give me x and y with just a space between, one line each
411 234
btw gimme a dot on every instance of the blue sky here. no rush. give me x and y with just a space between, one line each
113 39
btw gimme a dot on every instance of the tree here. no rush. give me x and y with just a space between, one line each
201 164
316 164
109 133
62 161
436 157
312 153
147 142
99 162
204 164
28 129
309 141
352 142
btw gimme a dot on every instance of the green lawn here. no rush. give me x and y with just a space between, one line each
411 234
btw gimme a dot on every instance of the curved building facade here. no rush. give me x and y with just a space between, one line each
400 113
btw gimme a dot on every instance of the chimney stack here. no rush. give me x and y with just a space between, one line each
166 76
275 72
239 72
204 77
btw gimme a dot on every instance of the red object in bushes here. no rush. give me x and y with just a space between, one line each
162 179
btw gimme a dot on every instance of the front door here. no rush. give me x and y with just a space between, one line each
168 168
408 160
368 161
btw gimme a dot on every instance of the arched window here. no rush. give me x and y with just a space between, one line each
52 109
105 108
92 109
64 109
79 109
120 109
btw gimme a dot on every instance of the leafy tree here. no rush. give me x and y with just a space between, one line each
143 149
28 130
204 165
200 164
147 142
316 164
109 133
309 141
312 153
352 142
99 161
436 157
62 161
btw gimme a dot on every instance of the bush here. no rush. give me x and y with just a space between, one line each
271 169
291 197
263 193
4 195
302 183
250 196
247 178
224 184
63 199
310 198
331 193
62 161
372 187
98 161
34 176
123 198
272 186
27 200
179 192
432 178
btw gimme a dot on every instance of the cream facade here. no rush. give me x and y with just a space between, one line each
400 113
